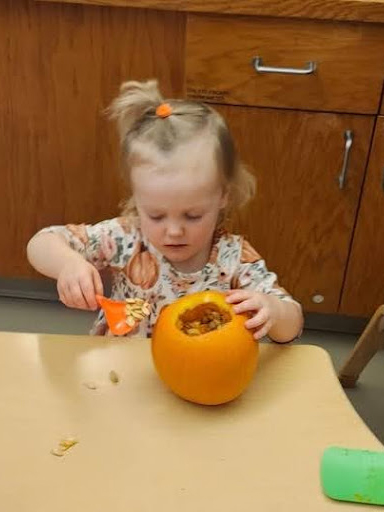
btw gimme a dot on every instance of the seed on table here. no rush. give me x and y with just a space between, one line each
57 452
113 377
90 385
65 444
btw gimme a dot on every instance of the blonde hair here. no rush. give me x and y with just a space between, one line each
137 121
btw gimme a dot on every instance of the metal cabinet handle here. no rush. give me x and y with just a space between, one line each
382 180
260 68
348 135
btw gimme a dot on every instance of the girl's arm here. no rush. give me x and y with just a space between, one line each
274 312
78 281
288 322
48 253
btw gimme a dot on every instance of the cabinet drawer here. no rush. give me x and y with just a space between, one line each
348 60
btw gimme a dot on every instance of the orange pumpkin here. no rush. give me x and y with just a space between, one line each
208 368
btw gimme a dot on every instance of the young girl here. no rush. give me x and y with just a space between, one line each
184 178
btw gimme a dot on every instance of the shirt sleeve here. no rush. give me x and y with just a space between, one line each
252 274
108 243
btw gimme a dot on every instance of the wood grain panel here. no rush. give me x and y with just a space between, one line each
60 66
364 285
349 59
300 220
360 10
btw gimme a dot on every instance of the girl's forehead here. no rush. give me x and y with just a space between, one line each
184 188
187 167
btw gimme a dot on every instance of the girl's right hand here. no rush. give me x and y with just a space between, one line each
78 283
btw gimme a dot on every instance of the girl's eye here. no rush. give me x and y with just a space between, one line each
193 217
156 217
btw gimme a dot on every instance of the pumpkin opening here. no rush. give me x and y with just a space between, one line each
202 319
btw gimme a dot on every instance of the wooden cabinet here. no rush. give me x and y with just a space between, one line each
301 221
61 65
364 284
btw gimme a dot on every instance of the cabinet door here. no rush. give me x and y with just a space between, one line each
301 220
364 285
60 66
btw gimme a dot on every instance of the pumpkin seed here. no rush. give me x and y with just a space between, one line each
90 385
57 452
131 321
193 332
65 444
136 310
137 315
113 377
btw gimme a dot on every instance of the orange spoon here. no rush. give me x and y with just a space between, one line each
116 316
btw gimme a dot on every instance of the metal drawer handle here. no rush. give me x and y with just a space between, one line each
348 135
307 70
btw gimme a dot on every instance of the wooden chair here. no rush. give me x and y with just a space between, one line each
370 341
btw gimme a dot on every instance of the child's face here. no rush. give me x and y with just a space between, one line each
179 200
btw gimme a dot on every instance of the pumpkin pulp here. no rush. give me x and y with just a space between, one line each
202 318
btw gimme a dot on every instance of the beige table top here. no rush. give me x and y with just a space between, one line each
142 449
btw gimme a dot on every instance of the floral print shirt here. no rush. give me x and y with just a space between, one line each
139 270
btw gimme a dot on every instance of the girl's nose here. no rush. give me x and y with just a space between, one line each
175 229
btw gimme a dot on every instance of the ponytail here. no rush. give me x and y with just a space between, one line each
135 100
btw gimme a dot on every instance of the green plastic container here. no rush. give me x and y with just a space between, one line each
353 475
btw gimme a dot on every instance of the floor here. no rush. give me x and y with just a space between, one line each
28 315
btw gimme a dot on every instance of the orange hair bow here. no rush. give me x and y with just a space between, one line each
164 110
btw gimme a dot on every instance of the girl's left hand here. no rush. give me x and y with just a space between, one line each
260 305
